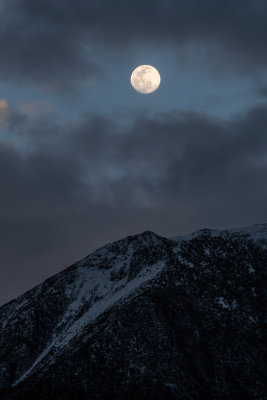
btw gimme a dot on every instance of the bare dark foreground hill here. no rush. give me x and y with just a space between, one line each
144 318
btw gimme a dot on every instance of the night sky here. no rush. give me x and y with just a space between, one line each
86 160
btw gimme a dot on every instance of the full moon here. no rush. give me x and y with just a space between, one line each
145 79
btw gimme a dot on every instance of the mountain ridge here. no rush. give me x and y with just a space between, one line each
45 329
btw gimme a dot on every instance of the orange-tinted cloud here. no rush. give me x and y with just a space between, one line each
36 108
3 110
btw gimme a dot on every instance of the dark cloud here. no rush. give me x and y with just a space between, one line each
36 50
84 184
57 44
262 92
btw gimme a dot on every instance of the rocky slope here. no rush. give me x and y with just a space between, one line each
144 318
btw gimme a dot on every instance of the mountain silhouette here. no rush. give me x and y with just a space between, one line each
145 317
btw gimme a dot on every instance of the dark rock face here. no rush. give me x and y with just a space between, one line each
143 318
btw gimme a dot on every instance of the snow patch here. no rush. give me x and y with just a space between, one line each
223 303
93 284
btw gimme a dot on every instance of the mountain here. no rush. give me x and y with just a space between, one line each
145 317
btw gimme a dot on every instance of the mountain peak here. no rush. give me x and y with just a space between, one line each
143 316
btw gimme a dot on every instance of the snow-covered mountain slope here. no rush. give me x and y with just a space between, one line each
145 317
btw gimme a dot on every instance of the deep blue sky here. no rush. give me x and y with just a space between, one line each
85 159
